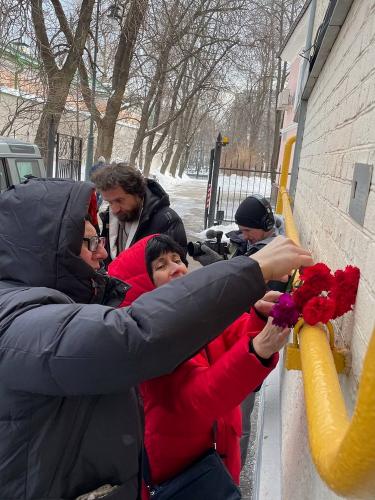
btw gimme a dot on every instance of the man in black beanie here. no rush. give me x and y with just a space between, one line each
257 225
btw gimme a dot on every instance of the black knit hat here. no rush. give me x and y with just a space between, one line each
255 212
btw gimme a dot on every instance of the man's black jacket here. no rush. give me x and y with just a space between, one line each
70 419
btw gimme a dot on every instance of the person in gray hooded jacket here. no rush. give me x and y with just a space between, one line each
69 363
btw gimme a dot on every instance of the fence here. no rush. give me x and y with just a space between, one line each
197 171
68 157
236 184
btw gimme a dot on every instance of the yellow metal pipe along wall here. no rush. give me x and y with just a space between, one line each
285 171
343 450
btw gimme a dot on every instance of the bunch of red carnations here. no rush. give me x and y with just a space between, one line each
318 296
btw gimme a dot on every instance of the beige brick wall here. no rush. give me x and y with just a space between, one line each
339 132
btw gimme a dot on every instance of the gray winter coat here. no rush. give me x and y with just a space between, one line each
70 419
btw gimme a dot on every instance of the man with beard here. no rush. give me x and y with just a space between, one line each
133 207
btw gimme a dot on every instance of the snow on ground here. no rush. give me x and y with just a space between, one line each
251 184
188 197
235 188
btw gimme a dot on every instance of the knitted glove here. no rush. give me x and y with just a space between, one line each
209 256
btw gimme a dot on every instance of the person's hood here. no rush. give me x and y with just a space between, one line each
155 198
41 232
130 267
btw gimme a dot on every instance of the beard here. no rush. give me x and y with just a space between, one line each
131 215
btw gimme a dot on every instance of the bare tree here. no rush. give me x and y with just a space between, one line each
193 45
130 26
253 119
60 62
13 24
20 115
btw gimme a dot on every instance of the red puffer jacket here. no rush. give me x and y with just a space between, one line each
181 408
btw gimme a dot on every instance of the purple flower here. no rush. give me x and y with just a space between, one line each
285 313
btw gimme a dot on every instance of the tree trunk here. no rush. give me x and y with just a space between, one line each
123 59
150 152
148 156
184 161
154 149
59 80
106 133
170 147
50 119
176 159
138 141
180 147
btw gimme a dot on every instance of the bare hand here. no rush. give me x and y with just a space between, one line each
266 303
280 257
270 340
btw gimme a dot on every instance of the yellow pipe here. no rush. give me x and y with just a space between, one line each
343 450
290 226
284 171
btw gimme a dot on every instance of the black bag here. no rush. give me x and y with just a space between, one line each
205 479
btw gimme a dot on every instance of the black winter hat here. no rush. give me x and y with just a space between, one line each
255 212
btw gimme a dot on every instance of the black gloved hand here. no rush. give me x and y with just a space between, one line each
209 256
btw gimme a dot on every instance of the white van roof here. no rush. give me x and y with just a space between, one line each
15 148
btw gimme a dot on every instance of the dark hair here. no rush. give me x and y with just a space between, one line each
120 174
159 245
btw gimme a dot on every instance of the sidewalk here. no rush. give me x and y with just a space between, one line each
248 473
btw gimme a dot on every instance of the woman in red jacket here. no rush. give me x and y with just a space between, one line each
181 408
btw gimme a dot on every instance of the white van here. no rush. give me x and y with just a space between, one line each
18 161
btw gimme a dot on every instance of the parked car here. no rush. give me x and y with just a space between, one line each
19 161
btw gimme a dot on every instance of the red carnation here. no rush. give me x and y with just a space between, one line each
344 289
301 295
317 278
318 310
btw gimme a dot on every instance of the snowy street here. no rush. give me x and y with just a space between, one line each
187 199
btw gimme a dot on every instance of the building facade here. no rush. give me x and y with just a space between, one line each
337 149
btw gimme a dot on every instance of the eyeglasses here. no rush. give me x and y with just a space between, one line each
94 242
